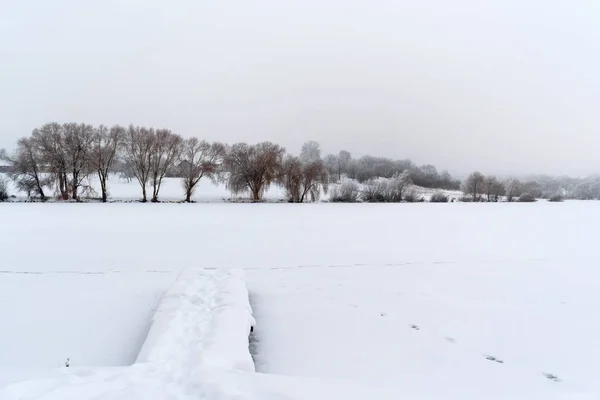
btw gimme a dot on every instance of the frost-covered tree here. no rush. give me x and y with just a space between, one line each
512 188
344 160
26 168
310 152
473 186
346 192
493 188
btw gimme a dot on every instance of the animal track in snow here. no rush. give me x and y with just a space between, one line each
552 377
492 358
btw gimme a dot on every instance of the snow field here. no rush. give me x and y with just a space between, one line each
202 323
460 330
335 288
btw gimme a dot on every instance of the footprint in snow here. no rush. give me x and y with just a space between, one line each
492 358
450 340
552 377
415 327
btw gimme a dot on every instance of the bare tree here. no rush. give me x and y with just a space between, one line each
314 180
512 189
497 190
105 145
165 153
138 150
199 159
291 178
26 168
473 186
253 168
310 152
78 140
303 181
331 164
344 159
489 184
50 141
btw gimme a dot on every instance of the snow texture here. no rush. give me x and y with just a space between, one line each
202 322
419 301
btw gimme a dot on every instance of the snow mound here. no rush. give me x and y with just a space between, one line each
203 320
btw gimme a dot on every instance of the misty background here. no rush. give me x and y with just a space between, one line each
507 87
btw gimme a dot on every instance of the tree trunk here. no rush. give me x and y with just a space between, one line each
74 188
104 191
144 196
188 195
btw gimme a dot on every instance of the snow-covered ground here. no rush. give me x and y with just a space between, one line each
426 301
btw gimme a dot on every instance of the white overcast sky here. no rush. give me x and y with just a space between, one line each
503 86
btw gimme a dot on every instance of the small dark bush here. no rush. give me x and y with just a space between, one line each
412 197
556 198
374 191
527 198
439 197
465 199
3 190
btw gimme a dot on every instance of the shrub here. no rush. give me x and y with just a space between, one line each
3 190
465 199
374 191
346 192
412 196
439 197
557 198
526 198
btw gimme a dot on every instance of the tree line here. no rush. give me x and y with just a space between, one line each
56 160
478 187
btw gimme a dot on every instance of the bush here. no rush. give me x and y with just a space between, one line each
439 197
3 190
465 199
374 191
557 198
346 192
411 196
527 198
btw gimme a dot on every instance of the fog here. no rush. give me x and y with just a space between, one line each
500 86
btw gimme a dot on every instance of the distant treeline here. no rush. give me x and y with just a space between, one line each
478 187
56 160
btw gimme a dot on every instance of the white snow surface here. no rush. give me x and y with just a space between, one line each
418 301
196 349
203 320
